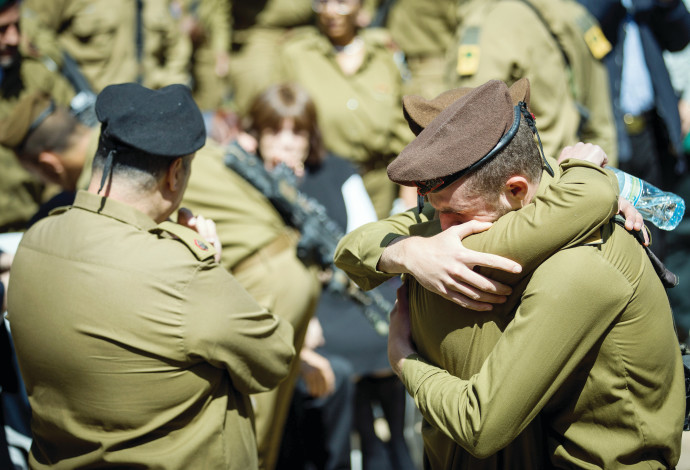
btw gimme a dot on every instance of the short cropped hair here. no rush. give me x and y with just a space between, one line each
53 135
520 157
138 168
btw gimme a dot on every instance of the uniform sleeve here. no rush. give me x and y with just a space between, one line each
227 328
50 13
219 24
359 251
555 326
568 211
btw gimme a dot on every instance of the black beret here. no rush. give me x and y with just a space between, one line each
458 136
165 122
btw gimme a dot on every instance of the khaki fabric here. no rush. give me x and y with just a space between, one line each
360 115
167 51
506 40
20 193
213 16
591 348
246 223
576 203
136 348
424 31
258 29
99 34
101 37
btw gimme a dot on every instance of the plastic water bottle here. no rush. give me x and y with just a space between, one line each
663 209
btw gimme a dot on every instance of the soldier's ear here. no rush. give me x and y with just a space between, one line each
176 175
50 166
517 191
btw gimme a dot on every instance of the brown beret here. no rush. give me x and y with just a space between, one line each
460 135
419 111
26 115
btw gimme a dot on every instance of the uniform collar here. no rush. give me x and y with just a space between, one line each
114 209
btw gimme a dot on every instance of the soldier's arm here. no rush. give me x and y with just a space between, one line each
569 210
555 326
227 328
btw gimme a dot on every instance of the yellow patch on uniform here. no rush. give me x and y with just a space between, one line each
468 59
598 45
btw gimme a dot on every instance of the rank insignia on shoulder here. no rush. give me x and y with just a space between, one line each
597 42
468 52
190 238
594 37
468 59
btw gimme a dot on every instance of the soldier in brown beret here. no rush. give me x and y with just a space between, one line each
495 387
136 347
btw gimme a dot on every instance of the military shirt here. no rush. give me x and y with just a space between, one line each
508 40
360 115
245 220
591 354
101 36
573 206
136 348
423 28
20 193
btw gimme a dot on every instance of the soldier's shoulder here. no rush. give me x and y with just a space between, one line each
379 38
303 37
195 243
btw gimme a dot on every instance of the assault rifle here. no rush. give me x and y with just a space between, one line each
319 233
83 105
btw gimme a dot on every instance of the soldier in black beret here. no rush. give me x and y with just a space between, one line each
136 347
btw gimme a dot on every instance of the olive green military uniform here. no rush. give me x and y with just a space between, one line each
591 347
213 16
136 348
167 51
507 40
258 29
424 31
101 36
260 251
360 116
579 202
20 193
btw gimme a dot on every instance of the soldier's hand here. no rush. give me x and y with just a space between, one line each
444 266
317 373
399 332
203 226
588 152
633 218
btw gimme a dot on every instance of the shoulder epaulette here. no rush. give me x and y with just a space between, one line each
468 52
191 239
